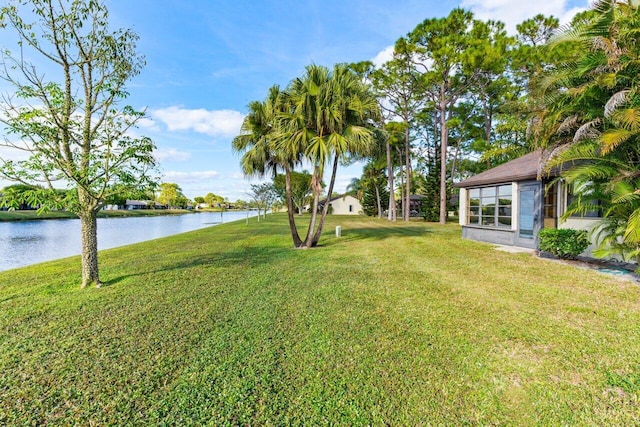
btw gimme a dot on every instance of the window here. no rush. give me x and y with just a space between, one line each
490 206
550 206
350 208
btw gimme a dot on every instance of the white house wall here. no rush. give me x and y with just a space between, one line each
462 200
515 205
341 206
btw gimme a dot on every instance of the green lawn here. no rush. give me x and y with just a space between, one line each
391 324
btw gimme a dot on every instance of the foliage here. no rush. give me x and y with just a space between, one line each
263 195
323 117
590 120
73 130
170 194
225 326
370 201
300 188
213 200
564 243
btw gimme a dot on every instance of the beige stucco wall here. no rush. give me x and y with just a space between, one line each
341 206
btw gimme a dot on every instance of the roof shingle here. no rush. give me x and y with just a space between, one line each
520 169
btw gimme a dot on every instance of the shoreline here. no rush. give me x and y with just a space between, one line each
32 215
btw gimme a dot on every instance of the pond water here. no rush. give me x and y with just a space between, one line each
30 242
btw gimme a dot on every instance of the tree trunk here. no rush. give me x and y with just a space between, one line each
407 166
89 237
455 158
316 187
444 140
379 202
402 198
392 197
325 209
292 221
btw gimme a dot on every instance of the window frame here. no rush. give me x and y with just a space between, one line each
486 212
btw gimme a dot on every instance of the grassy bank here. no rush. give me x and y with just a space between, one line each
398 324
33 215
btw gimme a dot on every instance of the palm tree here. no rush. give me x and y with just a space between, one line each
262 153
355 188
332 115
591 120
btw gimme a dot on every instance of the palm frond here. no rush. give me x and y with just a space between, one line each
616 100
611 139
587 131
628 118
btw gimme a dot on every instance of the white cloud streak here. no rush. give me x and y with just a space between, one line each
225 123
513 12
171 154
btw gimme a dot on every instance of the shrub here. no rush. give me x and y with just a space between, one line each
564 243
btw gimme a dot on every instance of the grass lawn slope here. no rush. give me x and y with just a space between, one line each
398 324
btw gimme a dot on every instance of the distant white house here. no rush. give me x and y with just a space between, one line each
132 205
343 205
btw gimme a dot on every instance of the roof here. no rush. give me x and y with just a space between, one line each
520 169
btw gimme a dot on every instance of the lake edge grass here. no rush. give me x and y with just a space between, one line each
389 324
32 215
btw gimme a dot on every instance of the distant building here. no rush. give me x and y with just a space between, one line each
132 205
342 205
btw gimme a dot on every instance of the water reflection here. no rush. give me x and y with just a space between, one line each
30 242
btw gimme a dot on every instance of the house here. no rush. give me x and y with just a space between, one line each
342 205
508 205
415 204
132 205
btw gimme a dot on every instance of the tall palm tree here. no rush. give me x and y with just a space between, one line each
262 152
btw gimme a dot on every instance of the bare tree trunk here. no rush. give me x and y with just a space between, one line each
292 222
444 140
379 202
325 209
455 158
89 238
407 153
392 190
316 187
401 187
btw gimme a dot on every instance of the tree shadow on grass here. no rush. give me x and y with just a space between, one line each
243 257
377 233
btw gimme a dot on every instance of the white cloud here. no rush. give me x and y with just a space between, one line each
190 177
162 154
213 123
513 12
147 123
14 154
383 56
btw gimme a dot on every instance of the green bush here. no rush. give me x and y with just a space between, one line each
564 243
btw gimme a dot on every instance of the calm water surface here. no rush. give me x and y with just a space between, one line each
30 242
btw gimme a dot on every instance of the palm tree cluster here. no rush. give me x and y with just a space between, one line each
590 122
324 118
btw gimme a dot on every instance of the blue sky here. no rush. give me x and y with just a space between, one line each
206 60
